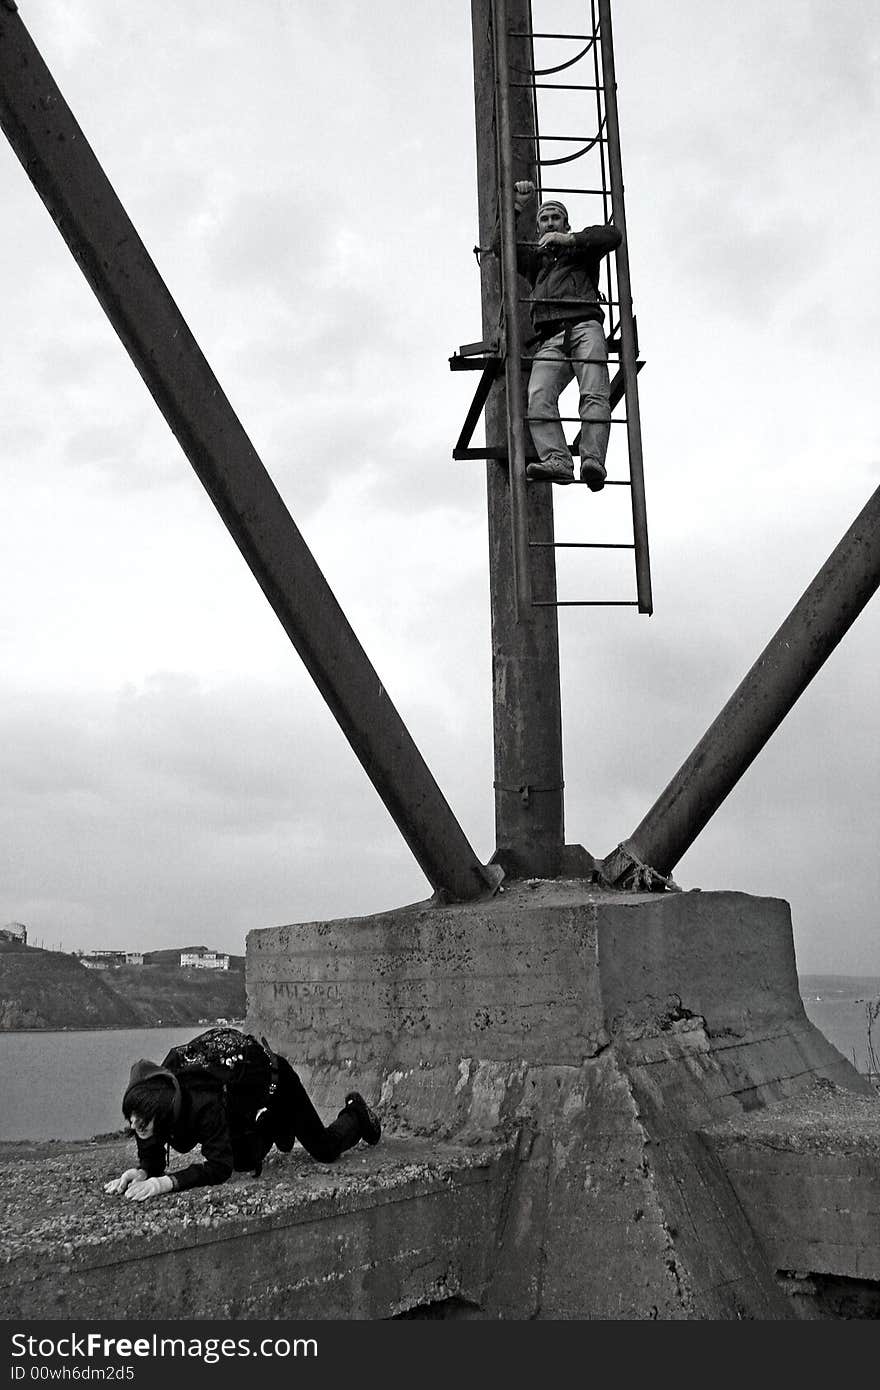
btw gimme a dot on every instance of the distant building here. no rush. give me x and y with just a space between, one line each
134 957
14 931
102 960
200 958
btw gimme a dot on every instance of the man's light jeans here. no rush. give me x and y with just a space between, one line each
584 343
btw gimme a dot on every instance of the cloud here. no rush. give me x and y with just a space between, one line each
175 809
801 822
751 263
170 772
266 237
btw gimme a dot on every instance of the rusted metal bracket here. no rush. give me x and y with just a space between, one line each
485 357
477 357
493 876
527 790
623 869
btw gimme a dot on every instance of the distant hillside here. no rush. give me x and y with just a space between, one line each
49 989
170 994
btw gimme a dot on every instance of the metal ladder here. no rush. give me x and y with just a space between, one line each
600 189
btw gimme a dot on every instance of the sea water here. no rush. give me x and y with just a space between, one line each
837 1006
69 1085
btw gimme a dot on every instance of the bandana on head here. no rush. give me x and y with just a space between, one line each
554 203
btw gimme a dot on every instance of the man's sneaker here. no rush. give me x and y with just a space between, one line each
593 474
553 471
369 1122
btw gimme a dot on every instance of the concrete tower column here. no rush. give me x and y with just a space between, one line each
529 815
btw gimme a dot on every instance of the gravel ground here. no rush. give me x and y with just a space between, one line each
53 1204
826 1119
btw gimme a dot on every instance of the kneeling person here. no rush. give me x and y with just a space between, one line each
234 1098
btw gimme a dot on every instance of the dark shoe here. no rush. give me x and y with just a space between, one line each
553 471
368 1122
593 474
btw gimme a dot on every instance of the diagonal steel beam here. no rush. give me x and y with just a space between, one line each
66 174
822 615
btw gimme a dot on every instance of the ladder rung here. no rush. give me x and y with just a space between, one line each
530 299
574 419
586 603
564 139
559 87
499 454
584 545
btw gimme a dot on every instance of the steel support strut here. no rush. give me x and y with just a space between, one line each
818 621
70 181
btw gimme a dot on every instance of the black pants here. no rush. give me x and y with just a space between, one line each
291 1116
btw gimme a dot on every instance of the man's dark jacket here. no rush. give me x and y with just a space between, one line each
565 280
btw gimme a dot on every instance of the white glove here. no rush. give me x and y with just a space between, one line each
129 1176
149 1187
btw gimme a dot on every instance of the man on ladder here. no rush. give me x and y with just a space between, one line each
562 268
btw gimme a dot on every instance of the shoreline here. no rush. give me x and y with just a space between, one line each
126 1027
11 1149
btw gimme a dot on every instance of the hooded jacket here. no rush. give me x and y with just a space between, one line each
565 280
200 1115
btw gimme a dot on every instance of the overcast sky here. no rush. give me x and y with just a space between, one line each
303 175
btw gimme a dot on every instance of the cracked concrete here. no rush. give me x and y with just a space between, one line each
620 1026
252 1247
573 1084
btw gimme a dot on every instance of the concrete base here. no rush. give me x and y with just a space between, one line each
577 1089
601 1034
815 1154
405 1224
